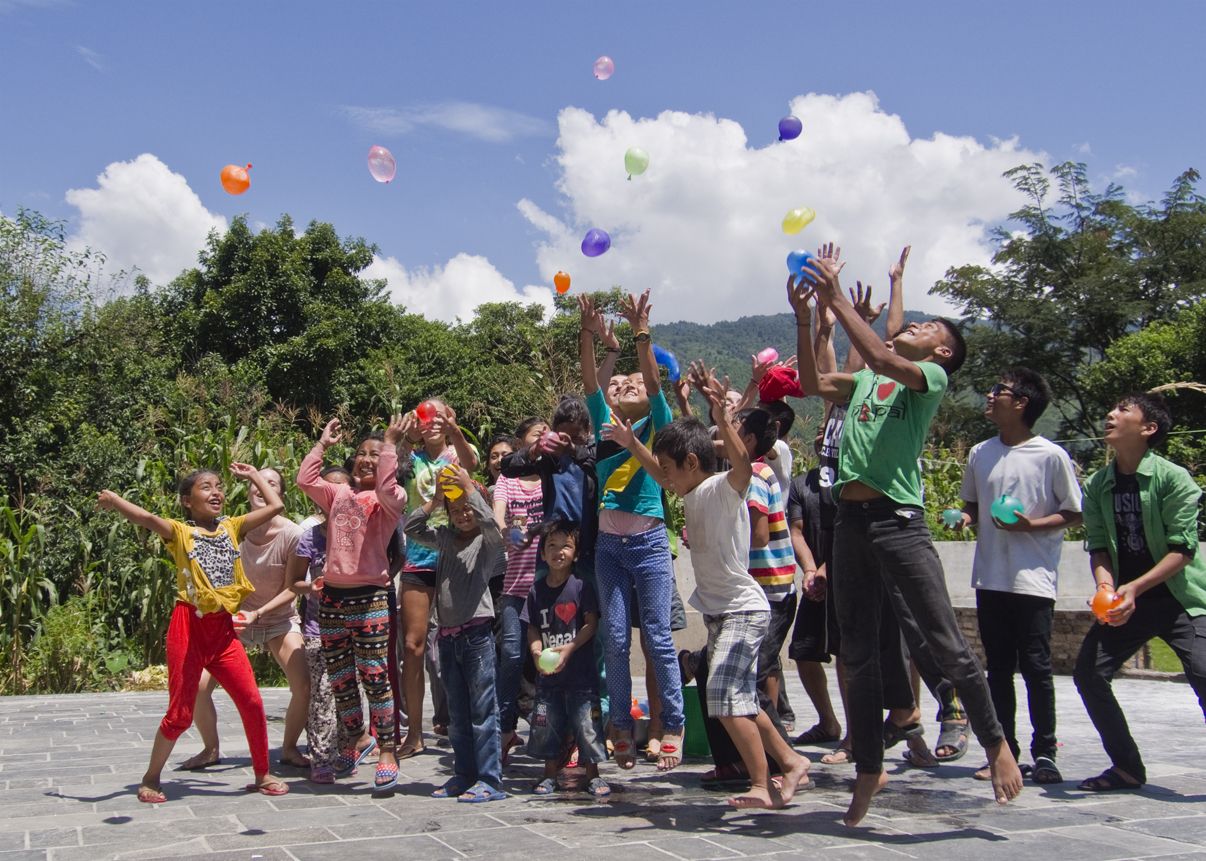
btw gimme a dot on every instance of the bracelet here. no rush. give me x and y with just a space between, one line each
612 350
414 442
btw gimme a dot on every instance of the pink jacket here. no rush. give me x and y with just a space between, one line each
359 525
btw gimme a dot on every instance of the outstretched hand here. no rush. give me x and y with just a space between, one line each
242 470
618 430
824 273
635 309
799 293
332 433
592 318
697 374
896 270
107 500
862 303
395 432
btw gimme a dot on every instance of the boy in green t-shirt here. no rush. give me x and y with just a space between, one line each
1141 525
880 534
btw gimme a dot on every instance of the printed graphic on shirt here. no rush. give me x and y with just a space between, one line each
1128 516
349 515
875 406
829 445
215 555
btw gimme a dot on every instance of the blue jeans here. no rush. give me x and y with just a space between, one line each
511 637
641 562
559 712
467 666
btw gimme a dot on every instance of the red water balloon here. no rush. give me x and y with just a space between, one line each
426 411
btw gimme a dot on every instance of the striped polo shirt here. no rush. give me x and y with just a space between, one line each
773 566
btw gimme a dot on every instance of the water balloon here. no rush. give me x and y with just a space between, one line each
562 282
426 411
770 354
1103 601
548 660
595 242
1006 508
381 164
667 360
951 516
636 160
605 67
796 261
235 179
790 128
797 219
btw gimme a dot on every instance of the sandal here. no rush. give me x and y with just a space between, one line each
725 777
385 777
351 757
273 787
479 793
546 787
406 751
952 735
150 795
624 751
915 759
841 756
451 789
1108 781
816 735
598 787
1045 771
653 750
894 734
670 754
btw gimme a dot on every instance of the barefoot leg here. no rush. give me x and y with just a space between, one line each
795 767
746 738
865 788
1006 776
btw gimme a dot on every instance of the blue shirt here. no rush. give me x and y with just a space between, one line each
623 483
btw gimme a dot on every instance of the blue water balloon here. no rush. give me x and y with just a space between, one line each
790 128
667 360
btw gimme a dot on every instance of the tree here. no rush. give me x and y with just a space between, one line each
1086 269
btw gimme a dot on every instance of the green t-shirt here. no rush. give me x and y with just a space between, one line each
886 426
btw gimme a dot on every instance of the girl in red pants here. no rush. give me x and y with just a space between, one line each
210 585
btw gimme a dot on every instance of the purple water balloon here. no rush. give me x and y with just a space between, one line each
595 242
790 128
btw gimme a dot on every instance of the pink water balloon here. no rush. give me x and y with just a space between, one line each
381 164
770 354
604 68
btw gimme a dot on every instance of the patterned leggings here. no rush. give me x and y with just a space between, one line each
359 638
323 730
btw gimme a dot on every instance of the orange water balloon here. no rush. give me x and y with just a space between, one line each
562 282
235 179
1103 601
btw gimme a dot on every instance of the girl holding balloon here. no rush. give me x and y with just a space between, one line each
431 440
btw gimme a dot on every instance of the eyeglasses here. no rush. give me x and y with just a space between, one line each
999 389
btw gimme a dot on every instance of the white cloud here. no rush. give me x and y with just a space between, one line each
453 290
1083 148
92 58
702 225
484 122
143 215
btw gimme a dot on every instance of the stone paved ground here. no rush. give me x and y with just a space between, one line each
69 766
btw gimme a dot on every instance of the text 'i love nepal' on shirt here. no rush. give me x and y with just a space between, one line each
559 612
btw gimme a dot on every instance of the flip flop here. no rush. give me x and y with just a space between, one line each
480 793
952 734
276 787
598 787
546 787
351 757
451 789
816 735
909 757
147 795
406 751
385 777
1108 781
1045 771
841 756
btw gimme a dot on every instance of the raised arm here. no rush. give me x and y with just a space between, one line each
895 322
611 346
740 470
309 473
272 501
830 386
391 496
465 454
592 321
636 311
871 347
110 501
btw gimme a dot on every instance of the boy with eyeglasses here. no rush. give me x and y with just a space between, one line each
1016 565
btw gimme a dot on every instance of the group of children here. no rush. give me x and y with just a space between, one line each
564 548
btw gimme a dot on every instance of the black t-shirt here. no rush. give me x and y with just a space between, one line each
1134 556
806 502
559 612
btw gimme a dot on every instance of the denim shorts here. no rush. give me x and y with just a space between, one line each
559 712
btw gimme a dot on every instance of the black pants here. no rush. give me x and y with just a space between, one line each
1106 648
1016 633
880 543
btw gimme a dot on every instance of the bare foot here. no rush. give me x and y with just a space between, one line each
203 759
758 799
795 777
1006 776
151 794
865 788
918 754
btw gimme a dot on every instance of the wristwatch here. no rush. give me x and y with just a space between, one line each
641 337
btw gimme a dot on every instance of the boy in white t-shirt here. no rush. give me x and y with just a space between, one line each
734 606
1016 564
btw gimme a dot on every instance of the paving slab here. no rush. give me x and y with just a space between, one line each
69 766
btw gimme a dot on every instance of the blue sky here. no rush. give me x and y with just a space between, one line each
468 98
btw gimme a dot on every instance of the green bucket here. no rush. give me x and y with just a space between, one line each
695 741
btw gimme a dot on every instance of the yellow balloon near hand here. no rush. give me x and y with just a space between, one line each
798 219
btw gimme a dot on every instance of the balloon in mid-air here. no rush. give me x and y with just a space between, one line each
426 411
797 219
605 67
951 516
796 261
548 660
1006 508
1103 601
562 282
381 164
667 360
636 160
790 128
235 179
770 354
595 242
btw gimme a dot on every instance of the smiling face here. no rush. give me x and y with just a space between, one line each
205 498
632 400
497 452
273 479
682 479
460 515
920 341
364 464
613 388
559 552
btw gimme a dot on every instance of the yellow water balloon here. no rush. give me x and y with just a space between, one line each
798 219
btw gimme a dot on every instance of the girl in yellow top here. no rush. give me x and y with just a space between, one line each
210 585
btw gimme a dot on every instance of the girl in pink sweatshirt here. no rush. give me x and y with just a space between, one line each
356 610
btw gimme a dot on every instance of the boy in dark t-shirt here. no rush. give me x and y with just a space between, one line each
563 614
